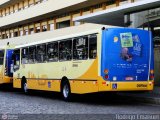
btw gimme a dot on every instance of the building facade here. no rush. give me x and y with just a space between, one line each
20 18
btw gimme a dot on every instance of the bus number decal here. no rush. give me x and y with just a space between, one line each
141 85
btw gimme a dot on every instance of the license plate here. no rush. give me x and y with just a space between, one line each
129 78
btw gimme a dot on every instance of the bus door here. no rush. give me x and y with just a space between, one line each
16 60
127 55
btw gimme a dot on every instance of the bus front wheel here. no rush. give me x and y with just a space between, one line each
66 90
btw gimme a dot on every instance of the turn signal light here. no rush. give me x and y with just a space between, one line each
106 71
5 72
152 71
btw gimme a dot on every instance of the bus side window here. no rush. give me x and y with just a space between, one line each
92 46
65 50
32 55
52 52
1 57
16 59
80 48
41 53
25 56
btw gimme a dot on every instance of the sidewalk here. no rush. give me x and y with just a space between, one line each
157 90
145 97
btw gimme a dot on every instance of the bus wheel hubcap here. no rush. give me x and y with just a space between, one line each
25 87
65 91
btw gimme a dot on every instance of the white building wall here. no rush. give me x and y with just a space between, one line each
37 10
3 1
140 18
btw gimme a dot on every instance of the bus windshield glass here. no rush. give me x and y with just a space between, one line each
1 57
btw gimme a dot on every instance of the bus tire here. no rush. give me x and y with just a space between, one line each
65 90
24 85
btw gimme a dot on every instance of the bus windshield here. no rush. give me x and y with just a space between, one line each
1 57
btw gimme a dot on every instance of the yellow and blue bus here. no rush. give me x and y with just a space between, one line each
6 66
113 59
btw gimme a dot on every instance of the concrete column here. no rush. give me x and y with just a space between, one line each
55 24
138 19
71 20
48 27
117 2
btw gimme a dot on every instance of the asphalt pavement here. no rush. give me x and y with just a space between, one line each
48 105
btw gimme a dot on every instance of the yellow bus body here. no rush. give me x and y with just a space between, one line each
87 82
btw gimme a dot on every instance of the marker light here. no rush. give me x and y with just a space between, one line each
106 76
5 72
150 83
151 77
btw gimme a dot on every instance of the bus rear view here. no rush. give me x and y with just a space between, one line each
127 59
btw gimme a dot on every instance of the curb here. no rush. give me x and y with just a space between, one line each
143 99
150 100
153 97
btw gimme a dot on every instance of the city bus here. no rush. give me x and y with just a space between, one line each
90 61
6 66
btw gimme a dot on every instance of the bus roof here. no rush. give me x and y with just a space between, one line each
65 33
59 38
7 47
